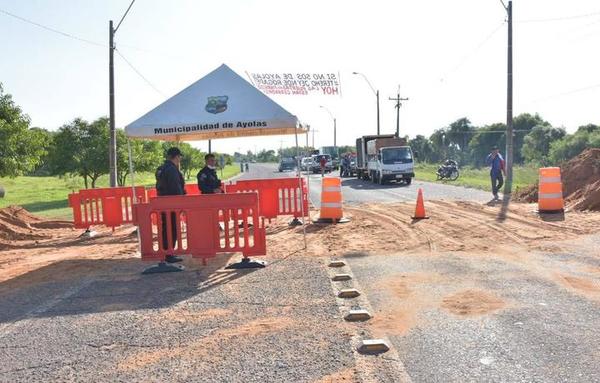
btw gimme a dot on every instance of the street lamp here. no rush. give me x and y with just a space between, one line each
334 128
376 94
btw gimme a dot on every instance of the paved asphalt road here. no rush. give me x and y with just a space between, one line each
543 333
359 191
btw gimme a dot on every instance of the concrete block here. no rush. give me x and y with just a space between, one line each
348 293
337 264
341 277
373 346
358 315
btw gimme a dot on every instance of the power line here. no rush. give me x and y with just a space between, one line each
140 74
81 39
565 18
475 50
567 93
125 14
65 34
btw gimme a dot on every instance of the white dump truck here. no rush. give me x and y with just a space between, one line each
384 158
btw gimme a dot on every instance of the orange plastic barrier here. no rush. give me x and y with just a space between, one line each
277 197
199 234
331 199
190 189
550 195
104 206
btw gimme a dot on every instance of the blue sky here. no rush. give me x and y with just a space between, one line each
449 57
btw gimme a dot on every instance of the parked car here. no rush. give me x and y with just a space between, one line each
287 164
306 163
316 163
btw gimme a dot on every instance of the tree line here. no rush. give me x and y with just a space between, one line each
536 142
79 148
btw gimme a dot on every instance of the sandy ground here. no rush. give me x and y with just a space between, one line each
452 226
40 252
373 229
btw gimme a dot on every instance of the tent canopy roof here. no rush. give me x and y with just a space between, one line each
220 105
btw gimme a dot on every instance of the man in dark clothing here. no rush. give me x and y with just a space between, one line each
208 182
496 162
169 181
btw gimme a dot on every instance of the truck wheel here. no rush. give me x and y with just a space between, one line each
408 181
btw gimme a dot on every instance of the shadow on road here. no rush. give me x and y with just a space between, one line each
357 184
73 287
553 217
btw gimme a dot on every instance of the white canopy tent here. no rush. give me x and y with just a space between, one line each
220 105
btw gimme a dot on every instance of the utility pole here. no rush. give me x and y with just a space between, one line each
334 127
112 145
398 100
378 129
313 137
376 95
509 105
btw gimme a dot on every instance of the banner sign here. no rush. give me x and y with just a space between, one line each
303 84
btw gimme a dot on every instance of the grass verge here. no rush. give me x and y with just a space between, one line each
47 196
477 178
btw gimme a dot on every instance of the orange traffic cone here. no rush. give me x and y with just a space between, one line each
420 209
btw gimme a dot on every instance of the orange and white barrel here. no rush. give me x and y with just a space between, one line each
331 199
550 195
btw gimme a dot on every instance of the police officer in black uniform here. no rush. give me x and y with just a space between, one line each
208 182
169 181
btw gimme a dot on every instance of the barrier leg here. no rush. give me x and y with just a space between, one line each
246 263
88 233
163 267
295 222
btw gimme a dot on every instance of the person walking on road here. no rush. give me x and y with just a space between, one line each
169 181
208 181
496 163
345 166
323 164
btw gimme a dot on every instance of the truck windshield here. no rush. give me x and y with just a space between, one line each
396 156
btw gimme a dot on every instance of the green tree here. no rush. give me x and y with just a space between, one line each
266 156
21 148
146 155
536 143
523 124
571 145
81 148
459 133
423 149
483 140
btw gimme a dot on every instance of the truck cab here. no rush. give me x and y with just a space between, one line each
393 163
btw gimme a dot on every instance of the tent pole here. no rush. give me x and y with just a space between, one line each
299 173
139 239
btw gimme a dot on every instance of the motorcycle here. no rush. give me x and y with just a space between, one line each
448 170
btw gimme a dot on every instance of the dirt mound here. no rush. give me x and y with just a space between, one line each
581 182
453 226
527 194
16 225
